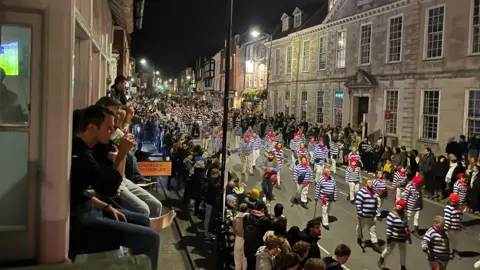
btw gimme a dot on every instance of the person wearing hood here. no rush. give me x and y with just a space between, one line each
366 203
255 225
311 234
397 234
440 170
453 217
266 254
252 198
413 197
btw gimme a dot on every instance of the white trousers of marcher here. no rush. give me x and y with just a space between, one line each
415 215
402 246
477 265
398 194
318 171
326 212
247 164
333 165
379 206
303 192
255 155
293 162
238 254
453 237
372 228
278 176
353 188
237 141
206 143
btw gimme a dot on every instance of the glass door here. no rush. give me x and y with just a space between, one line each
20 60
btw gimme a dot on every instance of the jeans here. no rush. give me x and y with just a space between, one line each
95 231
131 168
140 199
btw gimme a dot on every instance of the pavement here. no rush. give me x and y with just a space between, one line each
343 223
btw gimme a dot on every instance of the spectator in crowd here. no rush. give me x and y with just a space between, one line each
255 225
311 234
314 264
339 258
265 254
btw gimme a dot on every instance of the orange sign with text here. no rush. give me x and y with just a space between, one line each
152 168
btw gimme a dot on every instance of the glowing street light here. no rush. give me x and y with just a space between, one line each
169 80
133 79
188 77
143 61
255 33
157 72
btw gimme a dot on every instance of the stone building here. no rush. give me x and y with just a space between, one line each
407 68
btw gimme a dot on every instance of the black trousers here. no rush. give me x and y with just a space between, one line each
267 188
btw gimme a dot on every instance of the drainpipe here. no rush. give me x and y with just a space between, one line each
139 6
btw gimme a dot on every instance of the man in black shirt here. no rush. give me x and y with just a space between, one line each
341 255
96 226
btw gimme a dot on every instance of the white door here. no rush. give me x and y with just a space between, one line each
20 60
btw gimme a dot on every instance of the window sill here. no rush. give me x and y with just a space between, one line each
364 65
391 135
432 59
393 62
473 54
322 69
428 141
340 68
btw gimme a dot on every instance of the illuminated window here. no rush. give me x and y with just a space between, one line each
305 55
331 3
391 106
304 105
365 43
430 114
320 105
322 52
288 60
476 27
261 76
341 47
473 114
395 29
338 107
435 26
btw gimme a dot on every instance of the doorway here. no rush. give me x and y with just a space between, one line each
360 107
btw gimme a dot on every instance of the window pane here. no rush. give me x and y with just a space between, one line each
341 47
435 32
15 50
430 114
338 106
320 105
14 184
395 39
365 42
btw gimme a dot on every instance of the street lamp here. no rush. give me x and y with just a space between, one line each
143 61
188 77
169 80
157 72
255 33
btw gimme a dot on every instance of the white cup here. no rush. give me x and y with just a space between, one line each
167 158
117 135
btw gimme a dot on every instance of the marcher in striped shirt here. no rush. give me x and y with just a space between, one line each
302 151
278 151
460 187
355 155
414 199
436 245
294 146
302 176
246 150
366 204
333 156
326 191
397 234
453 217
256 142
312 145
301 136
269 143
399 182
217 142
380 187
353 176
320 157
237 132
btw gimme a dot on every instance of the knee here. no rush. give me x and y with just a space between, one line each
143 209
156 207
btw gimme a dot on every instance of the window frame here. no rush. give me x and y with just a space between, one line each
466 109
421 122
303 103
335 115
299 17
276 63
344 49
396 113
388 49
470 31
287 102
303 56
425 37
288 67
285 24
318 107
325 37
369 45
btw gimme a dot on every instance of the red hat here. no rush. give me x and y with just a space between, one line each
454 197
312 137
353 160
417 180
399 167
247 136
295 134
402 203
460 175
272 136
321 139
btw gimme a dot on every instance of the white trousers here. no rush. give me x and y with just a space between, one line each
477 265
379 206
402 246
255 155
278 176
247 165
303 192
398 194
292 166
353 188
206 143
372 228
237 141
326 212
333 165
453 237
238 254
415 215
318 171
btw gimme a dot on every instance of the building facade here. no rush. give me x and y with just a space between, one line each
361 64
64 51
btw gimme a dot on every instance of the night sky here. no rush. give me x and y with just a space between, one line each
176 32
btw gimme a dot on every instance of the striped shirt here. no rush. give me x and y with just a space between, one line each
279 137
246 148
294 145
269 145
334 149
217 141
379 186
453 217
279 154
355 155
413 197
366 204
321 154
352 175
399 181
326 187
460 188
397 227
438 245
237 131
301 138
256 143
299 170
312 146
301 152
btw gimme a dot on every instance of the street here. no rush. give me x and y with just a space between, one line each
343 222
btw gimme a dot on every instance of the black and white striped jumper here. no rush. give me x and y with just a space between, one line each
453 217
438 244
397 227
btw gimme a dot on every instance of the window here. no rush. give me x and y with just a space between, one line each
287 102
341 46
255 79
473 115
331 3
391 106
285 24
274 103
297 20
365 43
277 62
304 105
435 25
261 76
476 27
430 114
288 60
320 105
223 64
338 106
248 53
322 52
395 28
305 55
